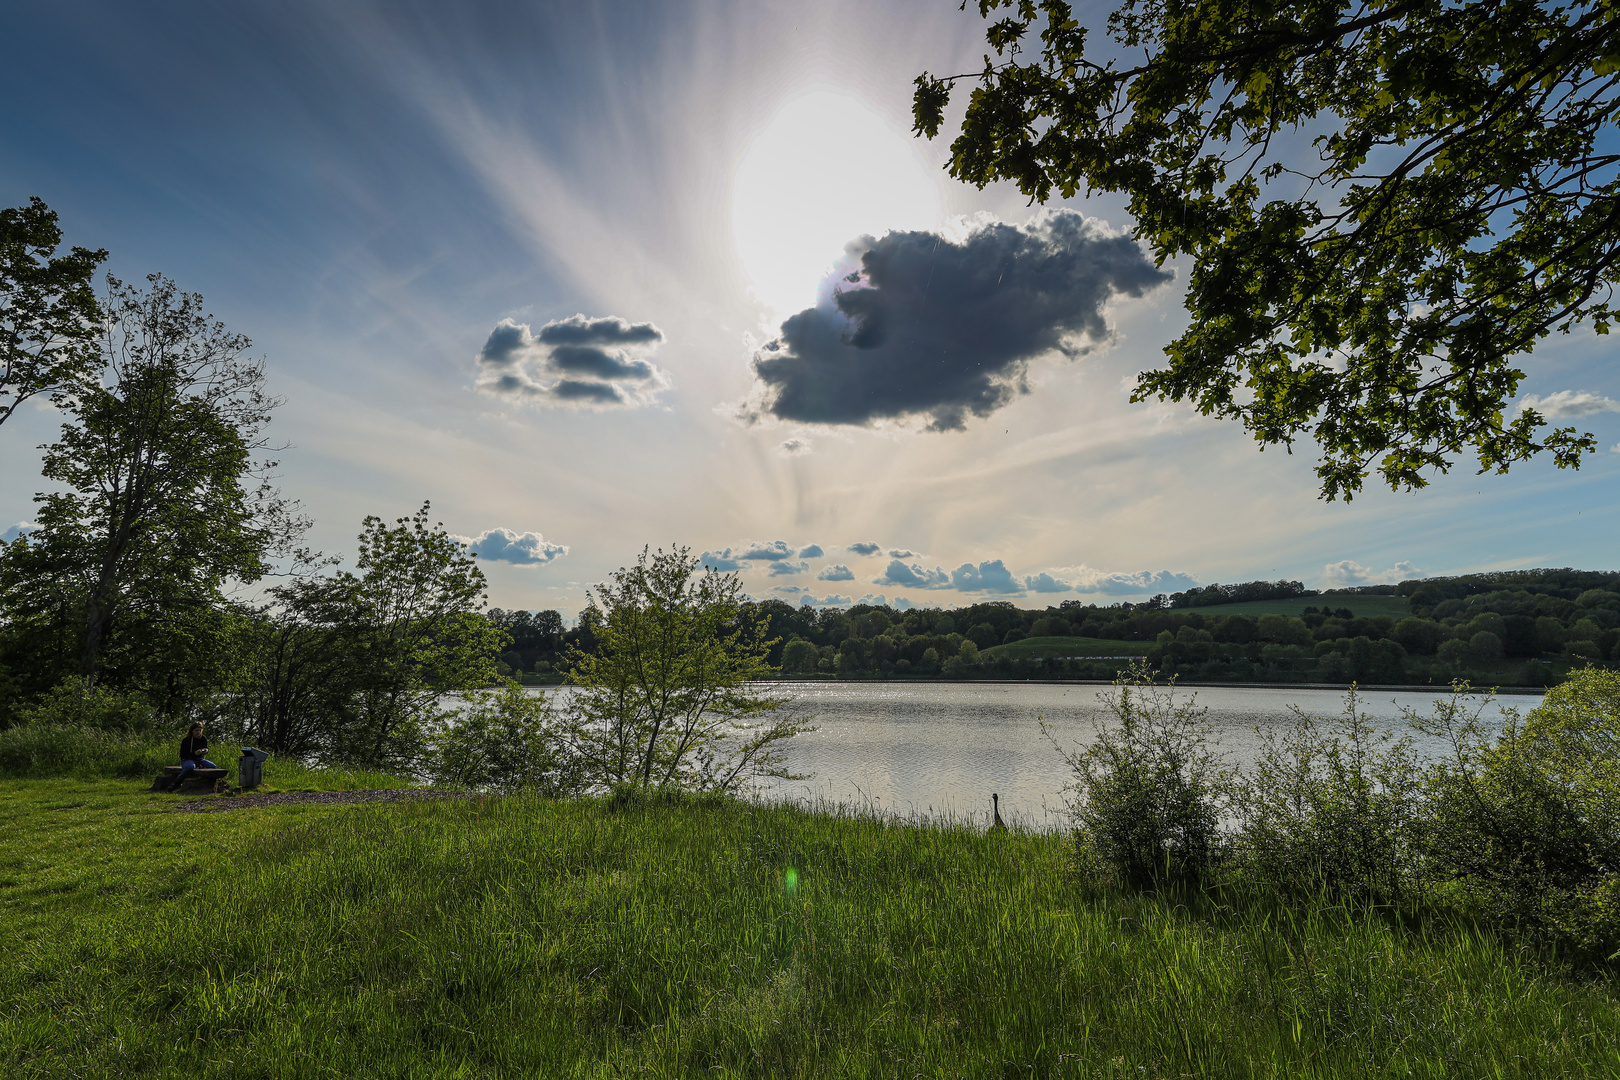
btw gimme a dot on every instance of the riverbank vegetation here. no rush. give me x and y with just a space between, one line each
525 936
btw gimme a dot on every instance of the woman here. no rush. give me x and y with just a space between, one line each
192 748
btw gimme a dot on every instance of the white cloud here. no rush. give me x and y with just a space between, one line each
1045 583
810 551
1569 404
901 575
18 530
836 572
521 549
787 569
1347 573
1088 579
865 547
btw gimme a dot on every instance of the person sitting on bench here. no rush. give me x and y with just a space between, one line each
192 748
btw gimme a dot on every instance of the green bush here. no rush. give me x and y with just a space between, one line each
72 703
1146 796
506 740
38 751
1331 803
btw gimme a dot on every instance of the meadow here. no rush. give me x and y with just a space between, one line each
525 937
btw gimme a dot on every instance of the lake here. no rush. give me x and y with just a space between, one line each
940 749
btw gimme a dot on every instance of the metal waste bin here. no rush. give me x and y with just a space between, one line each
250 770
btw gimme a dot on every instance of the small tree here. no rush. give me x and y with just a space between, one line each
665 701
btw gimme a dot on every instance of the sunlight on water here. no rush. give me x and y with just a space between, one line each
940 749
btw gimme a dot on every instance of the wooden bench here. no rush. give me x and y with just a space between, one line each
200 782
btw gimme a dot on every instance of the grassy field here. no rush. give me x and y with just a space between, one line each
522 938
1044 648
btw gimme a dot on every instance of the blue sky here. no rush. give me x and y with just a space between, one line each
442 225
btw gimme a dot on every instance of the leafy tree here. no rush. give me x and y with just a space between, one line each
161 503
505 740
48 309
1461 203
666 699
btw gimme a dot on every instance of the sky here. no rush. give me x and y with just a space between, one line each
593 277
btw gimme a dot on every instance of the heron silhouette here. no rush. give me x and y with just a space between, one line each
995 809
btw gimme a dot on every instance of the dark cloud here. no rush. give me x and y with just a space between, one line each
580 330
722 560
836 572
942 328
577 361
787 569
900 575
505 545
813 551
795 446
768 549
866 547
902 553
1044 582
593 363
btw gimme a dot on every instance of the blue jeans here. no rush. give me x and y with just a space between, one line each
186 767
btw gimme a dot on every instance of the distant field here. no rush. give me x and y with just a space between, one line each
1363 606
1044 648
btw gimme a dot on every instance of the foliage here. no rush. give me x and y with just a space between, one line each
1458 207
76 702
505 740
667 700
48 310
47 748
1147 794
349 668
155 513
1332 805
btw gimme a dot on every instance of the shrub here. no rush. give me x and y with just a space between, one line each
505 740
74 703
1334 803
1146 795
38 751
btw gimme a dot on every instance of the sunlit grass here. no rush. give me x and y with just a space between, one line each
527 938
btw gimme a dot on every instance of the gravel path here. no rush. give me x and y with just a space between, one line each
247 802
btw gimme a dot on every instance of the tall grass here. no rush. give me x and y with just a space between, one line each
38 751
521 937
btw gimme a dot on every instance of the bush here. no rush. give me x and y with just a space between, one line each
1332 803
1146 795
38 751
74 704
505 740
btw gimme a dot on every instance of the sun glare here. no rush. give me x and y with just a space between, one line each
825 169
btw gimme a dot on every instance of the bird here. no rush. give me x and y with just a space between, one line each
995 809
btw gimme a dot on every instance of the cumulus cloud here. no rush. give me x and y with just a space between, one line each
786 569
902 575
1046 583
17 530
1569 404
787 590
939 327
723 560
830 600
1347 573
1087 579
810 551
901 553
521 549
836 572
865 547
574 361
991 576
794 446
766 550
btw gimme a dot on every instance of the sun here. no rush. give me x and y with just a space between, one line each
825 169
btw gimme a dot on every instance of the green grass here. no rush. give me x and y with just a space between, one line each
1045 648
518 938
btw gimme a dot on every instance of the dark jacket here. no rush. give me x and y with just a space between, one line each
192 748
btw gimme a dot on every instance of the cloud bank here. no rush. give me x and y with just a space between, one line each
942 328
520 549
1569 404
1346 573
577 361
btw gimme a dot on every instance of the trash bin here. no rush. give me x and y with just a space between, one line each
250 770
